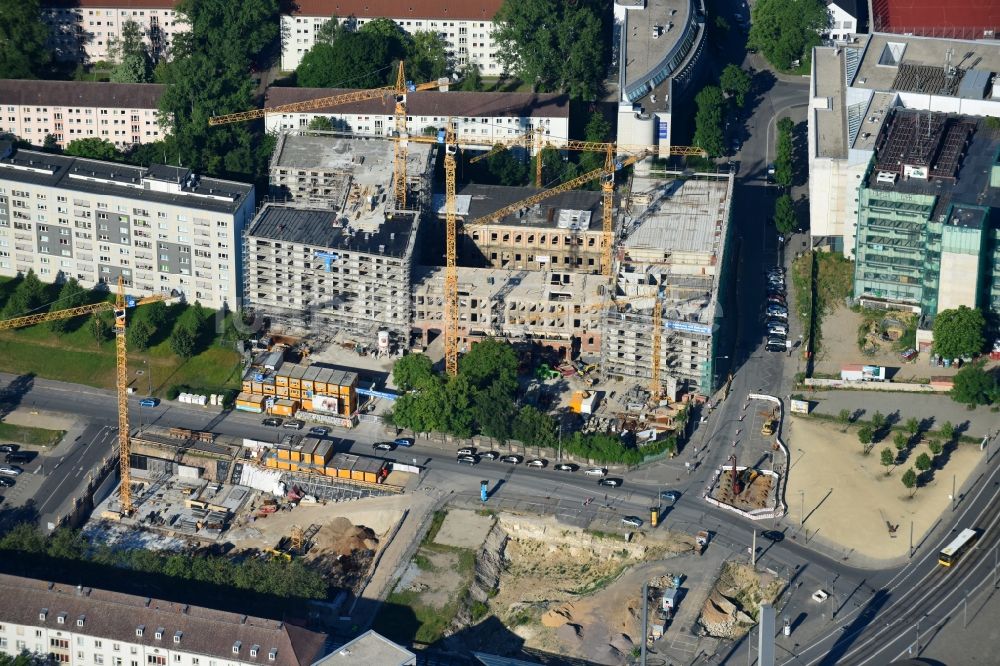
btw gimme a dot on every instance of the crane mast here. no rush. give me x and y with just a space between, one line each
451 270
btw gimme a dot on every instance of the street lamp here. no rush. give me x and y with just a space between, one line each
802 507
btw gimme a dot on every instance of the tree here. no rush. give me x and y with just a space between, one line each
472 78
787 30
330 31
426 57
553 45
182 342
975 386
844 417
100 327
51 144
28 296
458 395
354 60
900 441
784 215
506 168
878 420
909 480
783 167
887 459
93 148
321 123
490 363
935 447
947 430
156 314
138 334
494 412
413 371
912 426
135 65
959 333
923 462
534 428
597 130
708 121
735 82
71 295
865 436
23 52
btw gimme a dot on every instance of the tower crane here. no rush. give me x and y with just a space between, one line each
119 308
451 269
398 91
654 379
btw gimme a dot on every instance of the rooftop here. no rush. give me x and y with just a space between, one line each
483 10
578 210
369 648
167 185
124 4
969 18
680 216
35 92
645 47
328 230
454 103
917 64
194 629
521 286
831 120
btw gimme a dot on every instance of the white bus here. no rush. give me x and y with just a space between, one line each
957 547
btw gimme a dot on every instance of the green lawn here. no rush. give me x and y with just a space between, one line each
28 435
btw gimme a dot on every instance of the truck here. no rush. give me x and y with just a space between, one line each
862 373
768 428
701 541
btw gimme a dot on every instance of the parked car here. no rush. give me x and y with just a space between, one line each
774 347
609 482
777 312
909 354
512 460
596 471
383 446
6 483
468 460
294 424
632 521
272 422
537 462
467 451
19 458
670 495
773 535
9 448
10 470
819 596
776 340
491 455
564 467
319 431
777 329
404 441
149 402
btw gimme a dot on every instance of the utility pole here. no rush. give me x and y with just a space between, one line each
965 612
802 507
753 552
911 539
560 420
953 498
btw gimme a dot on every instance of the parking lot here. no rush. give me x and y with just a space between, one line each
776 311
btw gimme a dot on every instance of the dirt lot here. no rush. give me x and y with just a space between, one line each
850 502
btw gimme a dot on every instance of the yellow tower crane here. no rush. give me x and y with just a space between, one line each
119 308
451 269
654 380
397 91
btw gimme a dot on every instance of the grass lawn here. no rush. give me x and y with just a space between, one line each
27 435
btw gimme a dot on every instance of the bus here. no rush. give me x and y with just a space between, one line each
957 547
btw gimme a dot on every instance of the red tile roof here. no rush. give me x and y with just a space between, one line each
116 616
112 4
81 93
483 10
433 103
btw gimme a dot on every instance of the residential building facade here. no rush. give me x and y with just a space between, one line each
465 27
847 18
123 113
82 30
81 626
481 117
162 229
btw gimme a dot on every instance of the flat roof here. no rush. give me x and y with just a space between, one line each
118 180
35 92
884 53
831 122
875 115
554 212
643 52
369 648
326 229
683 215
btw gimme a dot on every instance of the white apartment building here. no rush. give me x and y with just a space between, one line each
80 626
80 30
465 27
123 113
163 229
853 89
846 19
483 116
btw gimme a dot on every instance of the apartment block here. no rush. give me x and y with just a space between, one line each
482 116
123 113
561 233
559 310
163 229
465 27
853 89
847 18
928 236
676 255
82 626
81 30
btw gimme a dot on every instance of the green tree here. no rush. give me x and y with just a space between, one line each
494 412
100 327
783 167
71 295
506 168
458 413
155 313
553 45
912 426
51 144
784 215
844 417
182 342
23 53
28 296
355 60
413 371
708 120
974 385
138 334
935 447
878 420
887 459
735 82
787 30
598 130
426 57
534 428
900 441
865 437
93 148
923 462
947 430
472 78
330 31
909 479
490 363
135 65
321 123
422 411
959 333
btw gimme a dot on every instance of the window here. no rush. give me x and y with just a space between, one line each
236 647
141 627
273 654
156 660
177 636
